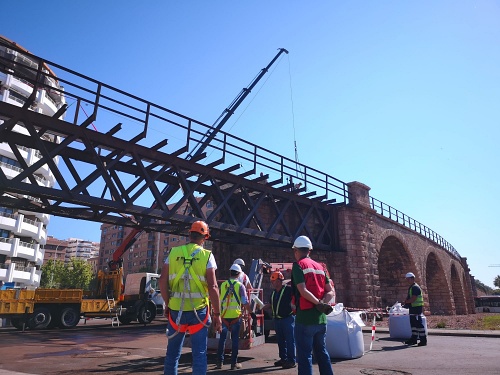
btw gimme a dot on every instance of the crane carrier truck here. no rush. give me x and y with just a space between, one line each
49 308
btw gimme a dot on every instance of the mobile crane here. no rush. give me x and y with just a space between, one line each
137 299
117 261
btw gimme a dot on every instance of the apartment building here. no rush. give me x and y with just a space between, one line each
23 234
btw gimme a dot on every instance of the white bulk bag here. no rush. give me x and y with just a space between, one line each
344 335
399 322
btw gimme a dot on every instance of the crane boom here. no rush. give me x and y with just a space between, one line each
117 260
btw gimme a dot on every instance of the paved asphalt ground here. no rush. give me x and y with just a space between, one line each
98 348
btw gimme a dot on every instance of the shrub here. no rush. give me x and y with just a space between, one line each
441 324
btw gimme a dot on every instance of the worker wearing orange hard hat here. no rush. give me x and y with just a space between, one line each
188 284
283 319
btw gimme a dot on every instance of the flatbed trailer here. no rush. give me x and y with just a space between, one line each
50 308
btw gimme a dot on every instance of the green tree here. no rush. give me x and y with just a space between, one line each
485 288
77 274
496 282
51 274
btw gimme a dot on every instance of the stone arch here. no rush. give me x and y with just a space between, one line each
468 293
437 287
458 292
393 261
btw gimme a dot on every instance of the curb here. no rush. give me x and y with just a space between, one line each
444 332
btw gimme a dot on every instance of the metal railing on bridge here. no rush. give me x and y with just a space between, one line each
403 219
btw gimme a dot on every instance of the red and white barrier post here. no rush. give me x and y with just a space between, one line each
373 332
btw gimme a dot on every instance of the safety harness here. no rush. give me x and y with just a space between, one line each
185 274
230 292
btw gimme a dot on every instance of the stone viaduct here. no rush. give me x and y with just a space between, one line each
376 253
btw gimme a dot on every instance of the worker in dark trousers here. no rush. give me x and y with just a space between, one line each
284 320
415 302
233 298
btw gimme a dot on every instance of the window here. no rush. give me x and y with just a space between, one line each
10 161
6 210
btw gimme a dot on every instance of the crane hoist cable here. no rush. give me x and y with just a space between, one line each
293 120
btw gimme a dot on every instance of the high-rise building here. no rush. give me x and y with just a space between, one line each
23 233
54 249
81 249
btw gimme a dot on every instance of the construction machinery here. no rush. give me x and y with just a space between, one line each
50 308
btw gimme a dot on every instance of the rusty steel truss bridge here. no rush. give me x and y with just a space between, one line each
105 168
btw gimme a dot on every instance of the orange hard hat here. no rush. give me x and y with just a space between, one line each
277 275
200 227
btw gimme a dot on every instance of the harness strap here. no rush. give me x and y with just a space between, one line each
191 329
227 298
229 324
231 289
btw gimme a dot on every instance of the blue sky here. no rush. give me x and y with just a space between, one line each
401 96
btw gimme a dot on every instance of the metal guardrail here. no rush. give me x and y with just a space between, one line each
405 220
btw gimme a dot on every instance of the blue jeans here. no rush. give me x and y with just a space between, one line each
198 343
286 342
235 335
309 339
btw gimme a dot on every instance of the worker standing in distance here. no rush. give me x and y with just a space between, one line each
234 296
283 319
243 277
188 284
415 302
311 288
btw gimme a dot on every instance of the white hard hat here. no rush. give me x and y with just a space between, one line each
240 262
409 274
235 267
303 241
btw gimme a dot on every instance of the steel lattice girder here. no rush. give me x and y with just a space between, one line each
124 171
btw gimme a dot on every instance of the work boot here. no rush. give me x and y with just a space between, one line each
412 341
288 364
422 342
279 363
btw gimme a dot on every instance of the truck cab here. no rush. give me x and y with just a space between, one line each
141 300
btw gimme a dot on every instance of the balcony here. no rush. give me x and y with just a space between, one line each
13 170
21 85
7 221
29 228
6 246
13 247
26 276
44 218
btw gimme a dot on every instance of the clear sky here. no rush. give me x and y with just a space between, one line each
403 96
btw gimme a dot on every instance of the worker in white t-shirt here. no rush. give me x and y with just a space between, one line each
243 278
